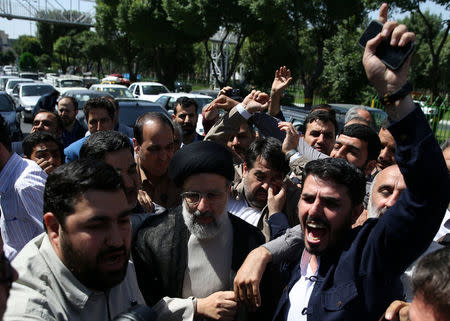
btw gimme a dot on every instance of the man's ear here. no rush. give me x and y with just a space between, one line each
244 169
53 228
173 116
370 166
136 146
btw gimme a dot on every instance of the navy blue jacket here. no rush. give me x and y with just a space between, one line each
362 279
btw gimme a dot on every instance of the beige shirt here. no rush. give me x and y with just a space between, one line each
164 193
47 290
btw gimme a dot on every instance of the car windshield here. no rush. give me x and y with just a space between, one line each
70 83
153 90
201 102
118 92
83 98
6 103
36 90
12 83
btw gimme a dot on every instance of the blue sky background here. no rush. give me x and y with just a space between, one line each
15 28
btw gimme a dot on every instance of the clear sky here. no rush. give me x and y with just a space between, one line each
15 28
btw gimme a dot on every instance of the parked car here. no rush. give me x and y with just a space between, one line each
130 109
167 101
295 115
29 75
26 95
83 95
341 109
147 90
13 82
10 114
117 91
4 80
182 87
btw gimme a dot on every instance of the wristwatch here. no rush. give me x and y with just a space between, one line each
389 99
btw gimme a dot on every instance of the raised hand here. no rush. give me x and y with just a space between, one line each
282 80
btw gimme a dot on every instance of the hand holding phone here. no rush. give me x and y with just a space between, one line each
393 57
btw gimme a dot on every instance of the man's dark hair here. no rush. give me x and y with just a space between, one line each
5 134
100 143
102 103
341 172
154 116
59 121
431 281
70 181
324 107
185 102
268 148
113 102
40 137
322 115
367 134
72 100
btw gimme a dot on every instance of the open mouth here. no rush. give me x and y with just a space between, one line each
114 260
204 219
315 232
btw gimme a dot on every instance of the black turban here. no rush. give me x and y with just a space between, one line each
201 157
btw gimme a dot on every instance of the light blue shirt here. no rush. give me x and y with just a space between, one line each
22 185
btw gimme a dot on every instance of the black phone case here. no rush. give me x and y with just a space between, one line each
393 57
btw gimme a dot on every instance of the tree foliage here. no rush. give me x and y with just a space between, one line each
48 33
310 23
27 62
344 79
7 57
431 31
27 44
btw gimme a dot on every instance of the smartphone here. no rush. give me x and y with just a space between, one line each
393 57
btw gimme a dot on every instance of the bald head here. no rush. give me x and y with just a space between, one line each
386 189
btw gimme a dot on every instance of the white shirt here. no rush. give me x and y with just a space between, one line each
445 226
22 184
241 209
302 289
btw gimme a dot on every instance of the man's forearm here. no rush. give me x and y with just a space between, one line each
286 247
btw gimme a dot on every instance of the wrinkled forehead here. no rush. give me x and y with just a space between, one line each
392 177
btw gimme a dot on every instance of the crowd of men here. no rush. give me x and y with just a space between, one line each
252 221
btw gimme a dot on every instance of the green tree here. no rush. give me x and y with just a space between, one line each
161 31
92 49
428 65
431 30
344 79
27 44
7 57
27 62
67 49
311 23
48 33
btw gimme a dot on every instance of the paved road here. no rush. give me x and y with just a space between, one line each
25 127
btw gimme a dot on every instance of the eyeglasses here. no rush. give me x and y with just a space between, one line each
193 198
7 276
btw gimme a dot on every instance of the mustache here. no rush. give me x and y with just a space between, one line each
112 251
318 221
197 213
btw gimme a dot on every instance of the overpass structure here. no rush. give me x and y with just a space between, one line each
72 12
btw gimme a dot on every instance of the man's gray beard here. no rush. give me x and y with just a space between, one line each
201 231
372 211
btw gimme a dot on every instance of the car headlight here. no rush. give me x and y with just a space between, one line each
28 108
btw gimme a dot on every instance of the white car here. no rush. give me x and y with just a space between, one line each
147 90
27 95
13 82
117 91
167 101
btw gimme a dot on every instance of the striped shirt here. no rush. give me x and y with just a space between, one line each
22 184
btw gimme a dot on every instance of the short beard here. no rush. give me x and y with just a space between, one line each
372 211
201 231
85 271
188 130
